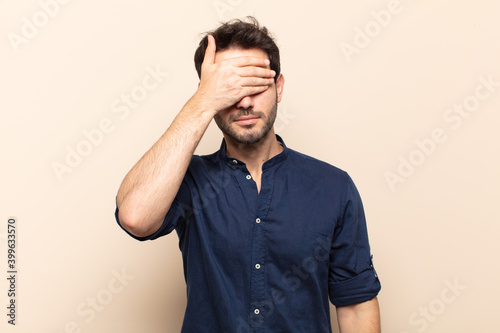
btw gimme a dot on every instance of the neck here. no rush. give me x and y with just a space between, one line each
254 155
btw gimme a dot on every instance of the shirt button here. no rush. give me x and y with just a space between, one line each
235 162
249 177
257 220
257 266
256 311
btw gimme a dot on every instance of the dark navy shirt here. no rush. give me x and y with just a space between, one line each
269 261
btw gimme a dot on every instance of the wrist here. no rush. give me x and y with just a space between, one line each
199 109
201 105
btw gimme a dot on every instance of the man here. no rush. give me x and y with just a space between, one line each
268 235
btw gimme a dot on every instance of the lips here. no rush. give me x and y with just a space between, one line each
246 120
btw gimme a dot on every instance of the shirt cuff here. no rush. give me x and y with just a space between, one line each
358 289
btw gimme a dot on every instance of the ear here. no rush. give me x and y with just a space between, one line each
280 82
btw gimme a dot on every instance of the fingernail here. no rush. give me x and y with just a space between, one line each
267 62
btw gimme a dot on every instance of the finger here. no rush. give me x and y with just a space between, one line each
210 50
256 72
249 91
255 81
249 61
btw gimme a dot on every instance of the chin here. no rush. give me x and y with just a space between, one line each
253 137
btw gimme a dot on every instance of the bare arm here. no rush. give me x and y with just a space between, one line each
359 318
148 190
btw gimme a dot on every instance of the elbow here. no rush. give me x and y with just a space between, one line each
137 218
133 223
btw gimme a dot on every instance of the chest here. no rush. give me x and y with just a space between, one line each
287 219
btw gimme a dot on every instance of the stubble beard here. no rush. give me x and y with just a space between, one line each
250 136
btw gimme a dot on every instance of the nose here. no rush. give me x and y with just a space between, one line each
245 103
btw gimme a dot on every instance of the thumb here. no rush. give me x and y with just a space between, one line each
210 51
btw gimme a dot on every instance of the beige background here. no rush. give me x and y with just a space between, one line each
361 112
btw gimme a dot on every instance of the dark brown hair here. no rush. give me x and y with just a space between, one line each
244 35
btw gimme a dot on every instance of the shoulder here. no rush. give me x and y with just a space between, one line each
203 161
329 185
203 167
308 165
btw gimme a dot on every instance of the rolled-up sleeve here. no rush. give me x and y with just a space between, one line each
352 277
179 211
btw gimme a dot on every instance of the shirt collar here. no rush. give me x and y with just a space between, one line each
268 164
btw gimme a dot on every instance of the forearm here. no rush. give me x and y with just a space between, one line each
359 318
148 190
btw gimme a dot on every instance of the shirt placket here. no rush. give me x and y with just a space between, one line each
258 309
258 260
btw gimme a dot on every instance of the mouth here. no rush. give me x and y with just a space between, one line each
246 120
